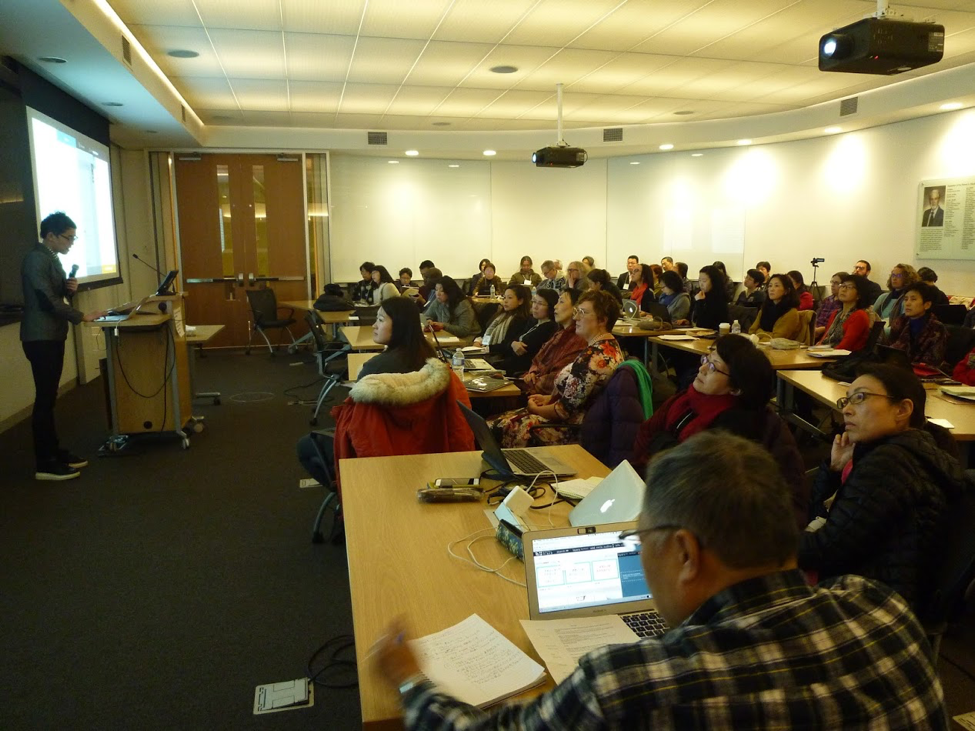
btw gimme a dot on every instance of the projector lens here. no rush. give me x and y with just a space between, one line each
534 157
829 47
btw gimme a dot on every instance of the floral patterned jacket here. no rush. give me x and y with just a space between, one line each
579 382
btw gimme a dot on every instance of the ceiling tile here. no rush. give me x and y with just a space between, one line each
340 17
383 60
445 63
634 24
158 12
465 102
359 121
418 100
262 95
250 54
206 93
220 116
315 96
556 22
620 72
681 72
367 98
524 58
240 14
159 40
476 21
266 119
317 57
514 103
569 66
398 19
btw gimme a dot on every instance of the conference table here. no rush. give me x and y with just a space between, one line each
399 565
780 359
334 319
196 339
628 329
960 413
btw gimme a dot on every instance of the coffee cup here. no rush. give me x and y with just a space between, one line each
724 328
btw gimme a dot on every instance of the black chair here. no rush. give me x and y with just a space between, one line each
952 570
313 456
367 314
325 353
960 342
950 314
485 312
264 308
745 315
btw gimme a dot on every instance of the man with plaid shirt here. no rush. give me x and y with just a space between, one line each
752 645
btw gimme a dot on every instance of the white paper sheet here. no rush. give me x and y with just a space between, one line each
561 642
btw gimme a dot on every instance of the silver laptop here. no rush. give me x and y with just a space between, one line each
588 571
512 462
122 312
618 498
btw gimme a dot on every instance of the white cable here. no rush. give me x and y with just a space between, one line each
473 559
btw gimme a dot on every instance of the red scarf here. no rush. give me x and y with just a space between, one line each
696 411
637 294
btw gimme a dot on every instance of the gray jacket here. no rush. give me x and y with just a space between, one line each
462 322
46 314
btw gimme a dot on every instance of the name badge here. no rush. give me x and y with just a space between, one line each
485 340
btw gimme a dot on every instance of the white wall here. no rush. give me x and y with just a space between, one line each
843 197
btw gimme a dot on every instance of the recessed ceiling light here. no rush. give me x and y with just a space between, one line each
666 146
683 112
112 104
634 163
51 59
393 162
490 153
832 130
412 153
744 142
503 69
697 154
151 132
441 124
182 53
452 165
951 105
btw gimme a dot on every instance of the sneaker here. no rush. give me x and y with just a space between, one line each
72 460
56 472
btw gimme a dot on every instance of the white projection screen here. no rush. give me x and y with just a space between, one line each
72 173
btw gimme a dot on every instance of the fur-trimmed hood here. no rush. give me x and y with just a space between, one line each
403 389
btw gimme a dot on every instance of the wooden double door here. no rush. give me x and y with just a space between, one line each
241 227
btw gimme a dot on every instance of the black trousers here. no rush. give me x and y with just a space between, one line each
46 363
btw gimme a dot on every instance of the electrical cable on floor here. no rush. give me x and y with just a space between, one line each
288 391
336 646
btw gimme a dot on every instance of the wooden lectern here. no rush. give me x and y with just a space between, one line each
148 372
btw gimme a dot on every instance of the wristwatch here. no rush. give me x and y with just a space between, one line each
410 683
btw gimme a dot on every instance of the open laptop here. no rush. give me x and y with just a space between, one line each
122 312
618 498
167 283
589 572
511 462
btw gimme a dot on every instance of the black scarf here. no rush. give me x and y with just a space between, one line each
771 313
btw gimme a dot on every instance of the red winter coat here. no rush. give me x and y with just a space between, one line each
389 414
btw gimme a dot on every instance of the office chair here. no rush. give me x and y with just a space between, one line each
952 570
264 308
313 458
325 353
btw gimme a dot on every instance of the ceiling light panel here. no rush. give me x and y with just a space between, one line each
242 14
158 39
447 63
418 100
476 21
367 98
315 96
383 60
262 95
556 22
416 19
340 17
206 93
158 12
315 57
249 54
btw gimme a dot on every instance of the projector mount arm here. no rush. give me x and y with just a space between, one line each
558 94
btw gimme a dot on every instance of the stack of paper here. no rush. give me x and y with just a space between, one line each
475 663
964 392
561 642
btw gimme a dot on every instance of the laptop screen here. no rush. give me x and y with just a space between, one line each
593 569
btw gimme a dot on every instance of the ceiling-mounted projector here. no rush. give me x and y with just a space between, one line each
881 46
560 155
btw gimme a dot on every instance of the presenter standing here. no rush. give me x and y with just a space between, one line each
43 332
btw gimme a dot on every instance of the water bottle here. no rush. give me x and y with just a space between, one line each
492 291
735 328
457 364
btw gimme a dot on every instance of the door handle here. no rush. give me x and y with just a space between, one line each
250 279
240 279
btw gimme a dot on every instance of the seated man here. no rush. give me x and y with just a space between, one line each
752 645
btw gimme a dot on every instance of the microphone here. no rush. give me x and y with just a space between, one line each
143 261
74 270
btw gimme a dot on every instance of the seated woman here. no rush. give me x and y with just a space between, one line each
384 287
600 281
673 297
965 369
731 391
450 310
805 296
831 304
890 305
878 499
779 315
918 332
576 385
575 276
641 287
510 322
754 293
472 287
541 327
560 350
488 279
710 305
362 290
406 374
849 327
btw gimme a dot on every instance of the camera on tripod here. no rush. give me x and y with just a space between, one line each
817 260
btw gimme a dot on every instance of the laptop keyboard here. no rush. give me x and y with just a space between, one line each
525 462
645 624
